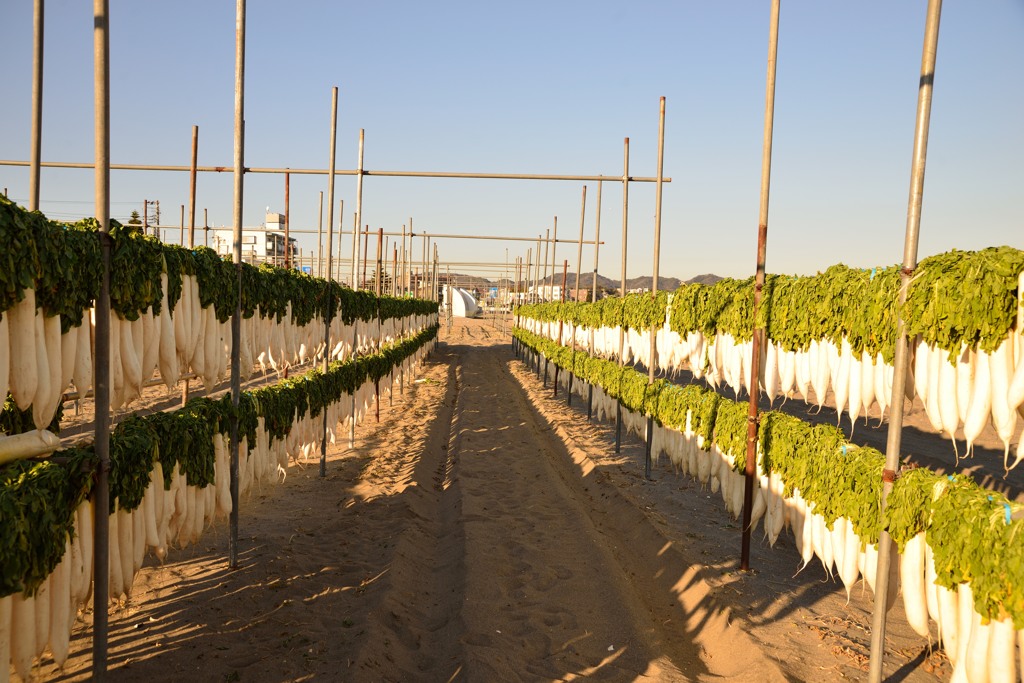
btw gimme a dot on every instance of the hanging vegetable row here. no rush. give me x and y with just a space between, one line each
961 562
831 337
169 481
171 310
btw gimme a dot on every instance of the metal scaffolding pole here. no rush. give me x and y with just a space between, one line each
35 148
330 232
236 320
101 443
750 468
651 363
320 224
192 189
892 448
359 211
622 292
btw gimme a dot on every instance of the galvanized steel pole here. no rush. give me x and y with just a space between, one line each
750 468
341 232
192 189
287 221
359 211
37 105
576 288
547 248
652 360
330 233
593 295
320 224
236 320
892 448
101 443
622 292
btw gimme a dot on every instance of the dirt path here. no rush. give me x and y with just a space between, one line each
484 531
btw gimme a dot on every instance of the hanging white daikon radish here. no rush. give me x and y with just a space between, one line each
68 351
883 384
151 333
949 620
841 385
931 592
867 383
979 409
5 636
787 372
912 577
83 355
855 400
965 620
1002 645
964 381
819 381
803 376
849 572
977 650
922 351
23 634
949 411
126 547
771 371
23 359
931 399
130 365
1003 416
60 605
42 621
116 577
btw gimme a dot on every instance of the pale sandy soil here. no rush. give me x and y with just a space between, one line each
484 531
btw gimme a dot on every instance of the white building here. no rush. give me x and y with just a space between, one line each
259 245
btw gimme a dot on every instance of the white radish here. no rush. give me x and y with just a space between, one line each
27 445
44 385
981 400
60 606
126 548
23 634
931 399
23 373
1002 644
1003 416
42 608
5 637
83 356
922 352
949 410
116 578
130 365
68 351
949 621
965 619
977 650
964 381
911 573
151 350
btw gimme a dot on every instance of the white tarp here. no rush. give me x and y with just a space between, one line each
461 303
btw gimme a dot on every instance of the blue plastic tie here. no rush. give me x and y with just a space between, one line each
873 271
844 450
1007 514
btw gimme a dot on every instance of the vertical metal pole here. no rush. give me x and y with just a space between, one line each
554 247
192 189
404 283
366 252
359 211
654 281
593 293
341 232
206 229
561 296
101 444
536 272
394 271
380 261
236 320
181 235
576 288
529 258
892 448
750 470
320 223
287 221
330 233
547 250
145 216
622 291
37 105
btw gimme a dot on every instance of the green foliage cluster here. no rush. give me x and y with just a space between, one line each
959 297
38 498
971 530
63 264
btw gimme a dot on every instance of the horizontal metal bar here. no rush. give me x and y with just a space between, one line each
337 172
431 235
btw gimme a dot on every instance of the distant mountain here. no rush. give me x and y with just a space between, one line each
705 279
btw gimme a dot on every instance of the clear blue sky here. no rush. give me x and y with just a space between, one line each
551 87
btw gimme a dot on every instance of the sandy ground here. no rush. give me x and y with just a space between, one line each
485 531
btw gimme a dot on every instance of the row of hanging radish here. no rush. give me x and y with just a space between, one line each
176 517
963 397
981 652
38 363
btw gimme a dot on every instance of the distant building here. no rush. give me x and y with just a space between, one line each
258 245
